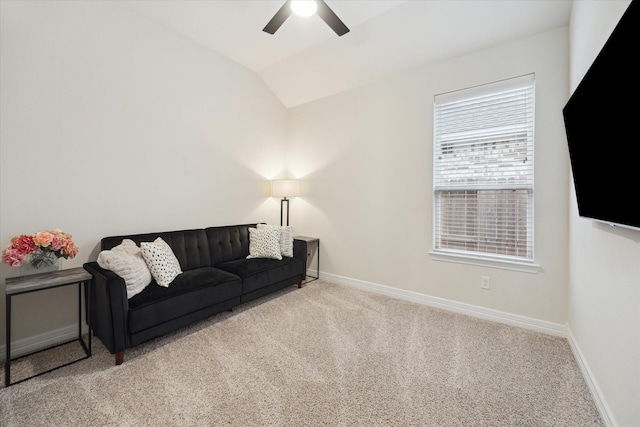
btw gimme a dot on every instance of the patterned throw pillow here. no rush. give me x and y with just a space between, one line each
264 243
162 262
286 238
127 262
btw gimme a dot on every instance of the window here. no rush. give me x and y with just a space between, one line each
483 171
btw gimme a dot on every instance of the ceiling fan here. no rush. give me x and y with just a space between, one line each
319 7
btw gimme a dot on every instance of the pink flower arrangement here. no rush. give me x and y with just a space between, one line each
43 247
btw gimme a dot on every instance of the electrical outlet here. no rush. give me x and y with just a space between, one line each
484 282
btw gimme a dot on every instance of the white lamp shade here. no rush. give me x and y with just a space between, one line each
285 188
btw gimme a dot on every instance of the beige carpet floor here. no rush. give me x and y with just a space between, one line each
323 355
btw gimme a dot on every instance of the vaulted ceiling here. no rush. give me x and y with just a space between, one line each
305 60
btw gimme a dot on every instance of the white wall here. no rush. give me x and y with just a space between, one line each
604 304
366 157
113 124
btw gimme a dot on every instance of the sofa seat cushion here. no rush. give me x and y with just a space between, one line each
190 291
257 273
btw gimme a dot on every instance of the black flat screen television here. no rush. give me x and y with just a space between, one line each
602 122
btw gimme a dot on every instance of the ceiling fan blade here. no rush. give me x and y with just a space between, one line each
332 20
278 19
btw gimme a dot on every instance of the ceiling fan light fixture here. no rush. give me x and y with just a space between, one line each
318 7
304 8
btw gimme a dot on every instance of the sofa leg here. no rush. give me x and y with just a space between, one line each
120 357
300 284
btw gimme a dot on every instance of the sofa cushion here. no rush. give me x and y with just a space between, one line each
264 243
228 243
189 246
257 273
286 237
162 263
127 262
190 291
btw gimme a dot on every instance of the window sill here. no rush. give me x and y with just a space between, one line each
521 266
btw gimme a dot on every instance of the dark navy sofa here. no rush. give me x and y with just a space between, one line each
216 277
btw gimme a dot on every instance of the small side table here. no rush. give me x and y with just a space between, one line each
311 242
38 282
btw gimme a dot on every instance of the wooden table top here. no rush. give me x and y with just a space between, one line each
307 238
22 284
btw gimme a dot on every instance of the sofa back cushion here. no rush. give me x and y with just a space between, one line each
189 246
228 243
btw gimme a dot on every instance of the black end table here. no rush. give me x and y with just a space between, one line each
38 282
312 241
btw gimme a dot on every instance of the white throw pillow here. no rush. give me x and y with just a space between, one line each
162 262
264 243
286 237
127 262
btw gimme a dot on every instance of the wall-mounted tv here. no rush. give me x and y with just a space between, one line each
602 122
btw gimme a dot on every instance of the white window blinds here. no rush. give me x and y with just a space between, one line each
483 169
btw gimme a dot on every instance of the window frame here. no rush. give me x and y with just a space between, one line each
511 262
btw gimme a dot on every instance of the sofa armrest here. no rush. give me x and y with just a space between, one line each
109 308
300 252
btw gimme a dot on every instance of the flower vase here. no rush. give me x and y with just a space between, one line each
40 262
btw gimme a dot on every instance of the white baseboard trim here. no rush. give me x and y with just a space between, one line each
592 384
543 326
38 342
